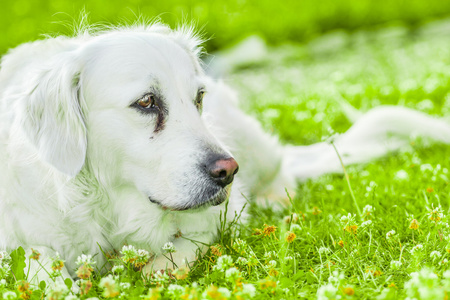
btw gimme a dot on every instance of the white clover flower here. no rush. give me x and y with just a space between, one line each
272 264
169 247
175 290
435 254
109 286
325 250
125 285
424 285
226 294
395 264
9 295
326 292
3 283
295 228
4 256
57 291
401 175
117 269
435 213
367 223
241 261
142 258
270 255
336 278
426 167
232 274
368 209
105 281
344 219
249 290
85 259
390 234
5 269
416 249
160 278
295 218
128 253
223 262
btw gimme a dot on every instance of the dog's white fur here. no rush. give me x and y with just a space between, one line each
78 163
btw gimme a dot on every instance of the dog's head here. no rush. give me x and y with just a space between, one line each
127 105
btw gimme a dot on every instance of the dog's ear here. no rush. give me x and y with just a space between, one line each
52 114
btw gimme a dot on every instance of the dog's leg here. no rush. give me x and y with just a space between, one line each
381 130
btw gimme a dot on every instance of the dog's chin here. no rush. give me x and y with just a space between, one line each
197 204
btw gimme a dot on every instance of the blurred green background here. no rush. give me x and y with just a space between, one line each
226 21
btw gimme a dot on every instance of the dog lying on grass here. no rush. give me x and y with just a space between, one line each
117 136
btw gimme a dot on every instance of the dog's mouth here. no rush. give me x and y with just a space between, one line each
215 200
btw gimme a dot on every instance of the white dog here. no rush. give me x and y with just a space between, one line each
105 141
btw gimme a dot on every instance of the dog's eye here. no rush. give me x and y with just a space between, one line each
148 101
199 100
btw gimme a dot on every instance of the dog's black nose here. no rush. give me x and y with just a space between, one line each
222 171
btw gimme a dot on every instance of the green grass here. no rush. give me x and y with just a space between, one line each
227 21
295 92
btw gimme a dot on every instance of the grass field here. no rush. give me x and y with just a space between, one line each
319 247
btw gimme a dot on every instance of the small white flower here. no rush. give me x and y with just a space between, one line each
223 262
169 247
125 285
325 250
107 281
225 292
9 295
367 223
232 274
295 228
368 209
85 259
396 264
327 291
401 175
416 249
241 261
272 264
435 254
71 297
57 290
390 234
270 255
175 290
117 269
3 282
249 290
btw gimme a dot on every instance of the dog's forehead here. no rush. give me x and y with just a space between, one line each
138 59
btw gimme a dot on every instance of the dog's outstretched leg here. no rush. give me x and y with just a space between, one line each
381 130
